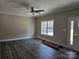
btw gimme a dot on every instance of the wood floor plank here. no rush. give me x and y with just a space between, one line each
32 49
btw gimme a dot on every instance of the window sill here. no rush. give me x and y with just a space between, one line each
47 35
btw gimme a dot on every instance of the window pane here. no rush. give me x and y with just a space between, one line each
47 27
43 27
50 28
71 32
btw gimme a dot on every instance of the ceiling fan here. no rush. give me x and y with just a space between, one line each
26 5
33 11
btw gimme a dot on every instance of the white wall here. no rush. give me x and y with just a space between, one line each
61 22
12 27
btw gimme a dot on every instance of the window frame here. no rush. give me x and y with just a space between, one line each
46 33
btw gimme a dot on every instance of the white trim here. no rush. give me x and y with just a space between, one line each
3 40
15 14
51 41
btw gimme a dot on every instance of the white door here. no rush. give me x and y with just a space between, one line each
73 31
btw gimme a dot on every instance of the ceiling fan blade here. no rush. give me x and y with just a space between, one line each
37 11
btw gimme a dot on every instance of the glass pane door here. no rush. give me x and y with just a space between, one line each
73 31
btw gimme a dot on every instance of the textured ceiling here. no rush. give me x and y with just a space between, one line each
22 7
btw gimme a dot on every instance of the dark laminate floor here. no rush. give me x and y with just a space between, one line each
32 49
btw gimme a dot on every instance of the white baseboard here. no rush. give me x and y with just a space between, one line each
3 40
50 41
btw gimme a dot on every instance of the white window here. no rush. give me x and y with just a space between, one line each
47 27
43 27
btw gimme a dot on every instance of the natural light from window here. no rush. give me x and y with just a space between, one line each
71 32
47 27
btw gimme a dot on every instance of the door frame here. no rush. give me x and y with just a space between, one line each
69 25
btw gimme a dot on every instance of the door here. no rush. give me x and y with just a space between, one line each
73 32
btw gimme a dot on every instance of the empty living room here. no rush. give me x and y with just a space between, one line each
39 29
